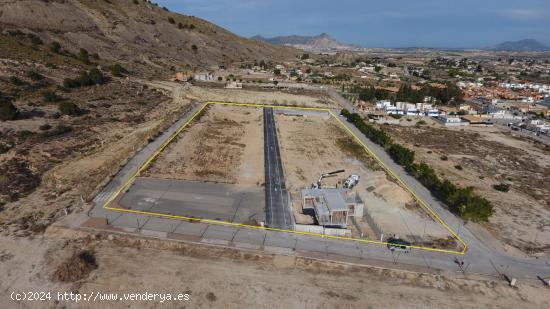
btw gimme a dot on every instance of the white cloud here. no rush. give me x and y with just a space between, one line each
524 14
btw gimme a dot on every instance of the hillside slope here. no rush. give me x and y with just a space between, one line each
135 32
319 43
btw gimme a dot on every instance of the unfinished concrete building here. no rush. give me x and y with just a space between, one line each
332 206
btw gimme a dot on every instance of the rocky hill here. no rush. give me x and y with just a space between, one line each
318 43
528 45
136 32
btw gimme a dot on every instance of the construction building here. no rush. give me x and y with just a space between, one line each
332 206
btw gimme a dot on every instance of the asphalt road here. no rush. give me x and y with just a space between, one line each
216 201
278 213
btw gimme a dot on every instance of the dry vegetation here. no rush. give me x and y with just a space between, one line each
227 278
487 157
223 145
52 159
122 29
261 97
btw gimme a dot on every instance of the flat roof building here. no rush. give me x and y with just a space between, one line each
332 206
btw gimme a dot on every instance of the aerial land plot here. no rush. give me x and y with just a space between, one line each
223 145
212 170
483 157
313 144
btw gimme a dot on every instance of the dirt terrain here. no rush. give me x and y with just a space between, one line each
57 158
261 97
140 34
314 144
225 144
225 278
485 156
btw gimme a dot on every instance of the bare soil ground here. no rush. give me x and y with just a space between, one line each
488 156
260 97
224 145
312 145
54 161
225 278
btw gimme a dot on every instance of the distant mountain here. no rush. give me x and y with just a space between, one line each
527 45
318 43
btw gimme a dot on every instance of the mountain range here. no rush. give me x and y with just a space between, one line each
319 43
527 45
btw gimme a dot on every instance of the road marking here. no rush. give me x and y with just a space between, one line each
163 146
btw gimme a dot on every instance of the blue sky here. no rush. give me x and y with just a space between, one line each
386 23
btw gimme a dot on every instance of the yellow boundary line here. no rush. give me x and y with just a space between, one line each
146 164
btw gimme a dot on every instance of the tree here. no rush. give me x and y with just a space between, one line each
194 48
305 56
277 72
171 20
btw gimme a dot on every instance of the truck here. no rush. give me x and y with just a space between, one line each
351 181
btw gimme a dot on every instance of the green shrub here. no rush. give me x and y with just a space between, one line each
83 56
17 81
69 108
59 130
171 20
35 40
8 111
24 134
35 75
444 158
55 47
94 77
45 127
502 187
117 70
51 97
5 148
458 167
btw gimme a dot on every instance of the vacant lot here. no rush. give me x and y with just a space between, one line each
225 144
260 97
223 278
484 157
315 144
